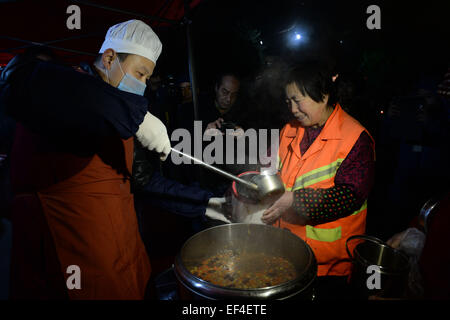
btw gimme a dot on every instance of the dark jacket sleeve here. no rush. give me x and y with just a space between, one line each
153 188
189 201
144 166
54 99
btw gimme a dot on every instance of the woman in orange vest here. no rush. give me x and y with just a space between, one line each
326 161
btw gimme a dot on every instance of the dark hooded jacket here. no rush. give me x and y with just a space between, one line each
84 117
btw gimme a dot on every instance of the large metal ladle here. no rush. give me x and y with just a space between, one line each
219 171
266 185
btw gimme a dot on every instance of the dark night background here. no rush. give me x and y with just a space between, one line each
412 42
411 48
410 52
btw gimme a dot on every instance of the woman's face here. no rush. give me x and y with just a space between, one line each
307 111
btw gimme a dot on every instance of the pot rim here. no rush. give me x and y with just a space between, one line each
193 282
377 241
358 257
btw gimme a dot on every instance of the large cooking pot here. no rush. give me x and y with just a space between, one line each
247 239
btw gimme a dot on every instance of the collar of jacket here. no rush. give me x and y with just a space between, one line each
86 67
325 134
295 132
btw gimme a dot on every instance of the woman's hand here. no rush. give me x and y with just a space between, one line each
282 206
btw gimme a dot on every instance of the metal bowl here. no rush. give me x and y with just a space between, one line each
246 207
270 187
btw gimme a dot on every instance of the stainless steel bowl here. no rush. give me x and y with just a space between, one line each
246 207
270 187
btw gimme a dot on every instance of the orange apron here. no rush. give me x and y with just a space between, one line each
90 217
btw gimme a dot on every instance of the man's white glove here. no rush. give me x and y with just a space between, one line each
214 210
152 134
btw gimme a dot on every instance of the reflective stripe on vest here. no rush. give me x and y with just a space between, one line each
329 235
316 175
363 207
326 235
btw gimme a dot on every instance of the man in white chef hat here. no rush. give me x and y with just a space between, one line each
75 215
128 58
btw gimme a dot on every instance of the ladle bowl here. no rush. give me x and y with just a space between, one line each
266 186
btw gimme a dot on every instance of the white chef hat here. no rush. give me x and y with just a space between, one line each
135 37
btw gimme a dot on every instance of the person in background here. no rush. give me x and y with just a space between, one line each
326 160
414 138
182 118
435 258
153 187
73 213
226 90
184 114
213 109
185 90
155 84
153 93
425 243
218 115
163 98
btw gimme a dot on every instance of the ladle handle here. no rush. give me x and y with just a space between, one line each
217 170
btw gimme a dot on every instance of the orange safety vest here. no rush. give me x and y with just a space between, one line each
317 169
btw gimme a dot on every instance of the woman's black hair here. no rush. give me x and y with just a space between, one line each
228 73
314 78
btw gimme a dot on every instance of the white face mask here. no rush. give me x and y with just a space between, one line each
130 84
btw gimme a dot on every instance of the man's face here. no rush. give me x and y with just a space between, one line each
155 82
227 92
186 91
137 66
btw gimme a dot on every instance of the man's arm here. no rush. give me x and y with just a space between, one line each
52 99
